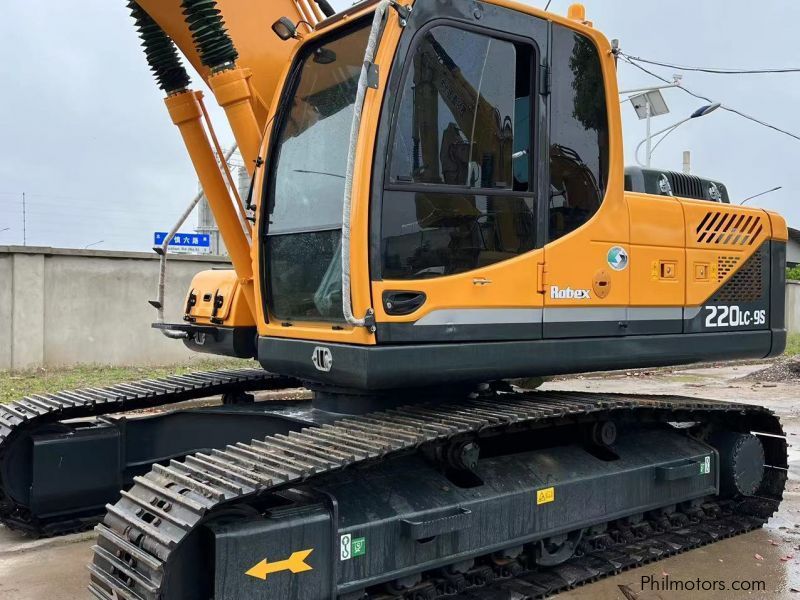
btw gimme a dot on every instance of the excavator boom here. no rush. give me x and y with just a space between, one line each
248 25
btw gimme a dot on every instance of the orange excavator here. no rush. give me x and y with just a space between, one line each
439 207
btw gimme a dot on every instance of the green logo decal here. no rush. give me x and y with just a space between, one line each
705 466
359 547
618 258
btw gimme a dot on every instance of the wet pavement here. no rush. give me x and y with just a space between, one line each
44 570
765 563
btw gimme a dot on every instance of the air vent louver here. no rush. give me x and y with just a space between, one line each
729 228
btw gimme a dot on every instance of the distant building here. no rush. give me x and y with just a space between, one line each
793 248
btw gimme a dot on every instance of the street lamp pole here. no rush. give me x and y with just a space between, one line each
700 112
647 94
775 189
649 111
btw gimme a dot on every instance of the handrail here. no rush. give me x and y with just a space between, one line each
358 108
163 250
227 172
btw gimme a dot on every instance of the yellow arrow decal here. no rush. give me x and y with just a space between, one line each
296 563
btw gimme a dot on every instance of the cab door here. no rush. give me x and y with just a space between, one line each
456 247
587 258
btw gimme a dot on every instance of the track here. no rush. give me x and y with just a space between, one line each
141 538
618 550
25 416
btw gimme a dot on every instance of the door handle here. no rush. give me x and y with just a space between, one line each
400 304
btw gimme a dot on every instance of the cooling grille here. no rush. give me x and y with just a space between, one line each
746 285
723 228
687 186
725 266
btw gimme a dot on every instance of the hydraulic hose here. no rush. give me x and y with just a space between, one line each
162 55
210 35
229 82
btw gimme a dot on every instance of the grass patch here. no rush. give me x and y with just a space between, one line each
793 347
42 381
688 378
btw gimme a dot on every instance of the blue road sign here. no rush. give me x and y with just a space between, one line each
184 240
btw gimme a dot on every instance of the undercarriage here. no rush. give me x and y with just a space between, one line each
495 494
501 495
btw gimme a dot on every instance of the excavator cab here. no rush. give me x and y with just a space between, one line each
438 182
444 182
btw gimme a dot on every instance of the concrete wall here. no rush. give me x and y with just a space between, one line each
793 306
66 307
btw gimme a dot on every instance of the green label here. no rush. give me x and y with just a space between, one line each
359 547
705 466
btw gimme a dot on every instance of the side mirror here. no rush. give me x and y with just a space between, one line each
284 28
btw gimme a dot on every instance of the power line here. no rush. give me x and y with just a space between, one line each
101 205
631 61
717 71
628 60
760 122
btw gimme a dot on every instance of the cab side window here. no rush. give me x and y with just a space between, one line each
459 114
579 134
459 191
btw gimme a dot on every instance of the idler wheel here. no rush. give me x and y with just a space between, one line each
741 462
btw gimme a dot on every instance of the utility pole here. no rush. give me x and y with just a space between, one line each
24 222
649 113
687 162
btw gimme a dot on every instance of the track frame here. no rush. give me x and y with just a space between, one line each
141 553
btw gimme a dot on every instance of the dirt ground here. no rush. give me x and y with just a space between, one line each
766 561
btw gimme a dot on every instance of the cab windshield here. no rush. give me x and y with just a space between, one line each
305 190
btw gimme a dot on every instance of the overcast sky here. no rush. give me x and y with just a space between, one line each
86 136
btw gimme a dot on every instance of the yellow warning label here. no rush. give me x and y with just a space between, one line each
546 495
